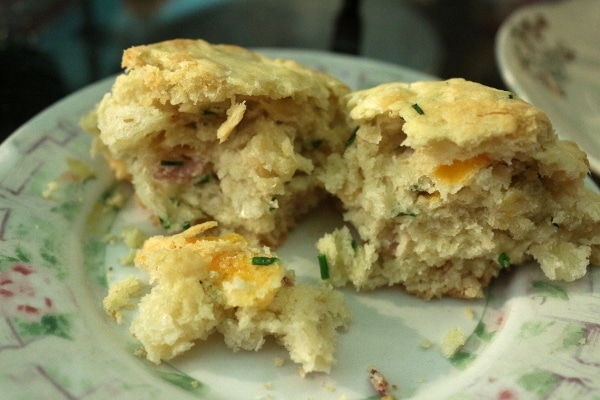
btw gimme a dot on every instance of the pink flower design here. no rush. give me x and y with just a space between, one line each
22 291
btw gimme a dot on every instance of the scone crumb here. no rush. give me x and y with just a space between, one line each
330 389
470 313
453 340
279 361
582 341
50 190
79 170
268 386
134 239
426 343
120 295
116 199
141 352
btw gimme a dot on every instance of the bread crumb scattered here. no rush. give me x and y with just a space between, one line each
279 361
453 340
116 199
134 239
426 343
79 170
120 295
50 190
470 313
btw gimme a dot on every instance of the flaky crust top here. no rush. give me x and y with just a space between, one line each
183 70
461 112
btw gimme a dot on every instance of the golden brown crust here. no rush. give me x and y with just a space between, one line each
184 70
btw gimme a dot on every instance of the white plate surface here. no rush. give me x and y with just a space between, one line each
549 54
528 339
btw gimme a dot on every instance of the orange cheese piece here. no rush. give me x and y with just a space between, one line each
460 170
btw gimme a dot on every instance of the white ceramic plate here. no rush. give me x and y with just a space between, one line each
529 338
549 54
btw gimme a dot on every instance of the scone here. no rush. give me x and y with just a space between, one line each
446 183
217 132
203 284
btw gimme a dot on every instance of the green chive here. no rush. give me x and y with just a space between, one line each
323 266
263 260
352 137
164 223
205 179
406 214
418 109
171 163
316 143
504 260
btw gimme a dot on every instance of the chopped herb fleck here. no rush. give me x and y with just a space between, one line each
263 260
186 225
323 266
510 96
352 137
418 109
209 112
317 143
171 163
504 260
204 180
164 223
406 214
353 244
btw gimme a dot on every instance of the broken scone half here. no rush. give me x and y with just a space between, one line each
448 182
218 132
203 284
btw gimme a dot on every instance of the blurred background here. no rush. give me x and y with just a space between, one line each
50 48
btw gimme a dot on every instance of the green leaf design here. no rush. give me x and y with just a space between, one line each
549 289
462 359
535 328
572 335
22 255
50 324
539 382
482 333
183 381
68 209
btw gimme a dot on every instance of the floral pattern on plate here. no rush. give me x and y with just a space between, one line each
545 61
548 54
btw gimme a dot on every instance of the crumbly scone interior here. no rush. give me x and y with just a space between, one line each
203 284
442 211
211 145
